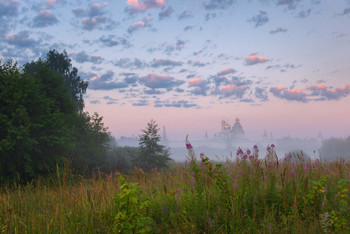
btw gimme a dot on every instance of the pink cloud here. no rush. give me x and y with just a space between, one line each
226 71
196 82
234 90
254 59
134 6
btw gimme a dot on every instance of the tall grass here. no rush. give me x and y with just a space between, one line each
244 194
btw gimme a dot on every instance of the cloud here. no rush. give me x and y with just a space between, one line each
325 92
110 100
278 30
196 63
79 12
44 18
130 78
82 57
153 91
254 59
290 3
112 40
166 12
128 63
93 16
217 4
185 14
200 86
103 82
304 14
289 94
9 8
234 90
177 104
259 19
165 62
91 23
155 81
136 6
53 3
226 71
142 102
261 94
95 102
21 40
346 11
146 22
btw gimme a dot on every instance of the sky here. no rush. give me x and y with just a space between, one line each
279 65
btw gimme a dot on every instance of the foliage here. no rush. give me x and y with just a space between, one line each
151 154
61 63
35 112
246 194
131 210
42 121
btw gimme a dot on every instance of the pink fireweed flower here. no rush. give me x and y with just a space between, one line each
245 157
305 169
263 178
178 191
188 146
235 185
202 164
292 173
272 146
248 151
202 155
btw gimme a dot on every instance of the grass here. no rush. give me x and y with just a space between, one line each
242 195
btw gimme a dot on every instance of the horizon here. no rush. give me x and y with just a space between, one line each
280 66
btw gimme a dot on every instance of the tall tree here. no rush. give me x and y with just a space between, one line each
61 63
151 153
34 120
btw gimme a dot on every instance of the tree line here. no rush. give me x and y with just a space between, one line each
43 123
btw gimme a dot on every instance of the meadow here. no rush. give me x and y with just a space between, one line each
244 193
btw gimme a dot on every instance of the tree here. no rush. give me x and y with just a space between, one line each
42 120
35 111
151 153
61 63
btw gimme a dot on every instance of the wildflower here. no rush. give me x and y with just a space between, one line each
213 168
202 164
186 161
263 178
305 169
202 155
235 185
248 151
178 191
188 146
292 173
245 157
182 179
323 204
272 146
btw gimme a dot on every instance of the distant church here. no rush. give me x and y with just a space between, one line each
235 132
